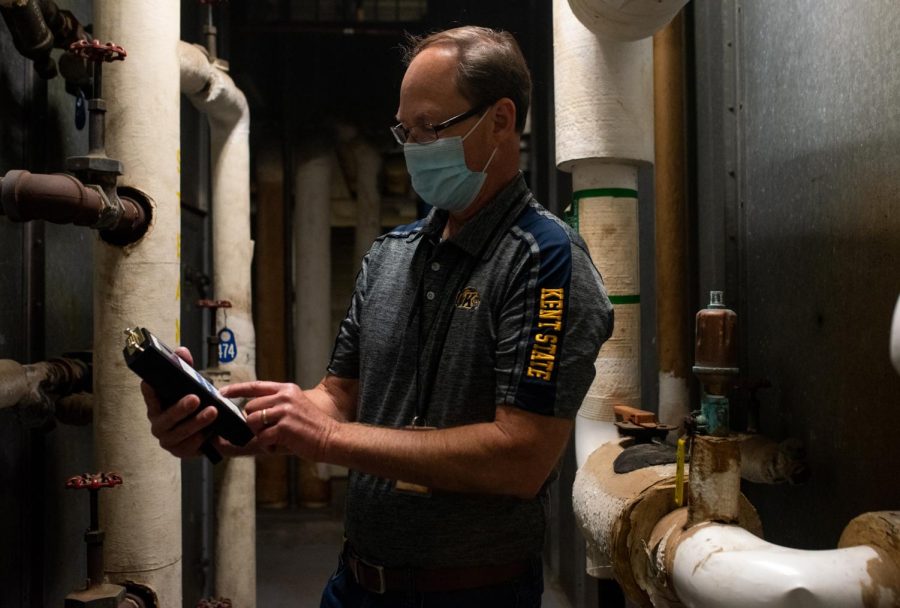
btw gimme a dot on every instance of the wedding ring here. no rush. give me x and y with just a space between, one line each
265 420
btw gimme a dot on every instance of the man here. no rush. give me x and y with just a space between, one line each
466 351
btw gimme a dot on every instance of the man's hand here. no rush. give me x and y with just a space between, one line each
178 432
283 416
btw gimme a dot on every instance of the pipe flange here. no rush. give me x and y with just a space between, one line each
110 212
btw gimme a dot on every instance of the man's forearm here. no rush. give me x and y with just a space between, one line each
489 458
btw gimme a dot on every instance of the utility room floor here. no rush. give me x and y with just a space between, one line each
297 551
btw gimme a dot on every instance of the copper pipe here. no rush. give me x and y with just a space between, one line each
672 311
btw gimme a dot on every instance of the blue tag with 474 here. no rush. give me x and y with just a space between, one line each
227 346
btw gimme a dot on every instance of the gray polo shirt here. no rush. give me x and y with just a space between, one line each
511 310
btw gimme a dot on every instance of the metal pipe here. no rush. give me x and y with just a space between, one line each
41 384
65 26
62 199
31 35
764 460
670 160
715 481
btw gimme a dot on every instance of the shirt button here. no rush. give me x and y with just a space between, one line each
435 266
429 295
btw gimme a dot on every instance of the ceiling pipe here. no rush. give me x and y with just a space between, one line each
205 83
139 285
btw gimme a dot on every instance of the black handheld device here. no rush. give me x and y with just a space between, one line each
172 378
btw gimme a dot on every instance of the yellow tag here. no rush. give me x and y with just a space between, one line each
679 473
411 488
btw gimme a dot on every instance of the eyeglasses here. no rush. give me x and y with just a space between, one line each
428 133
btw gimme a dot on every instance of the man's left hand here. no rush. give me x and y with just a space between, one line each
282 416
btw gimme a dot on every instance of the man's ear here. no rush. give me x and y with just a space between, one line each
504 120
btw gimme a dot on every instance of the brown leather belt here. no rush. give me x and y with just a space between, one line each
378 579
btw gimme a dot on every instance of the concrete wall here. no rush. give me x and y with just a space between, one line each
798 153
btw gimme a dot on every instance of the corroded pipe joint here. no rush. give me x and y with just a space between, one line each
133 220
31 36
715 480
764 460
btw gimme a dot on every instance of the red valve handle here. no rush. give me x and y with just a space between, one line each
94 481
97 51
214 303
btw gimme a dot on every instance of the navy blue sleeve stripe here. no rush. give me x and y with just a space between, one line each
549 294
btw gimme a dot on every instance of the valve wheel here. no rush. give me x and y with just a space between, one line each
94 481
97 51
214 304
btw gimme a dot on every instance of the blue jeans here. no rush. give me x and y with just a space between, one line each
342 591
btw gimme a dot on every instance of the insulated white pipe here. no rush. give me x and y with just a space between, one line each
625 19
604 128
139 285
213 92
728 567
312 265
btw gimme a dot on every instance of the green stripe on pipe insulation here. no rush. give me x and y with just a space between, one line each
570 215
625 299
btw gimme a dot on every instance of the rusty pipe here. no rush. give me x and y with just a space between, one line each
764 460
31 35
63 199
65 26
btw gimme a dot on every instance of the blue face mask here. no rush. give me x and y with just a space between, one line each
439 172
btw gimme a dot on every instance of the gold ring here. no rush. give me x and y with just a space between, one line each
265 420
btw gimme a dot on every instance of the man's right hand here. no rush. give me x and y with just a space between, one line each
176 430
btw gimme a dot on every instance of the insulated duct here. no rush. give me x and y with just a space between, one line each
713 564
625 19
213 92
604 130
139 285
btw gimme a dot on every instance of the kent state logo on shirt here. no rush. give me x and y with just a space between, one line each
468 299
542 360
